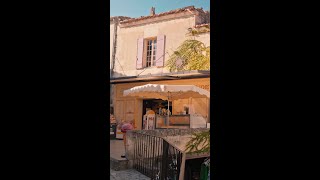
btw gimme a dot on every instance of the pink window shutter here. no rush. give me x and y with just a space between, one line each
139 64
160 50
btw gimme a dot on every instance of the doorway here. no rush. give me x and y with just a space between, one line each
155 105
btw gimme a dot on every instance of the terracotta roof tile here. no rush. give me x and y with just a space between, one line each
188 8
121 18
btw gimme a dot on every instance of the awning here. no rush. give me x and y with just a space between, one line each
167 92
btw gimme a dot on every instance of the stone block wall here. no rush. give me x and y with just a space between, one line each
149 146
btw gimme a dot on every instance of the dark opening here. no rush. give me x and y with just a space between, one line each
193 169
155 104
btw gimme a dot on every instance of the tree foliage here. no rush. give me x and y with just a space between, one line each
190 55
199 143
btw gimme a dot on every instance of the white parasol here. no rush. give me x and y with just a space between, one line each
167 92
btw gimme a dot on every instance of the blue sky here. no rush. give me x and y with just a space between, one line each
137 8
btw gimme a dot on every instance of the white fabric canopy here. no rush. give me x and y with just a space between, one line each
167 92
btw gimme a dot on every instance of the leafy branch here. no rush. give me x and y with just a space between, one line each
199 143
190 55
195 32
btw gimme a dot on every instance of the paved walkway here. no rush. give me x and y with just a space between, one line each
129 174
116 149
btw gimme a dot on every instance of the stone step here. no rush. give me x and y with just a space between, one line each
119 165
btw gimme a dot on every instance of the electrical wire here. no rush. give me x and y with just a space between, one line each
120 66
154 61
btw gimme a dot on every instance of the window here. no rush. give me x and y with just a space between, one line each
150 52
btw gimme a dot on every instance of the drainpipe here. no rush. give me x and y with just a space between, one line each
115 21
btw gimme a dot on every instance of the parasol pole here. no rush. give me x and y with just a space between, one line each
168 109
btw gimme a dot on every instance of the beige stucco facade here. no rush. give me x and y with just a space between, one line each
112 44
111 40
175 29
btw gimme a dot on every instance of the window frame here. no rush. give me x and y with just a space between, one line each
152 62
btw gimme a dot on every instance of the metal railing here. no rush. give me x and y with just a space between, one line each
172 159
156 158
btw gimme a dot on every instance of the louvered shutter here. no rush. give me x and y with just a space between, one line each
160 50
139 63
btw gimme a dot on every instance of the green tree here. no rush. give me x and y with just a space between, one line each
199 143
190 55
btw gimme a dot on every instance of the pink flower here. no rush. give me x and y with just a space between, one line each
126 127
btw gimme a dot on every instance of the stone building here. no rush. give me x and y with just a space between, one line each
114 28
139 49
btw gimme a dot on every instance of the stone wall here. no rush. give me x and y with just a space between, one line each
166 132
159 133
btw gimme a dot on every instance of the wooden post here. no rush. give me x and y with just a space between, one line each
167 121
182 168
208 121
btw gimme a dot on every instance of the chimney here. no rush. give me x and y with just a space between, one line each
152 11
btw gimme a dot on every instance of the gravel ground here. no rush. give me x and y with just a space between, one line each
129 174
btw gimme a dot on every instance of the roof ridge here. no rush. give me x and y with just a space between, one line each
121 18
163 13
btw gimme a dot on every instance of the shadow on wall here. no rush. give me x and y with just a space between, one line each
117 74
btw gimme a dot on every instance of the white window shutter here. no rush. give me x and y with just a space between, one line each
160 50
139 63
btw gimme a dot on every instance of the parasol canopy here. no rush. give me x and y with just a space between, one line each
167 92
